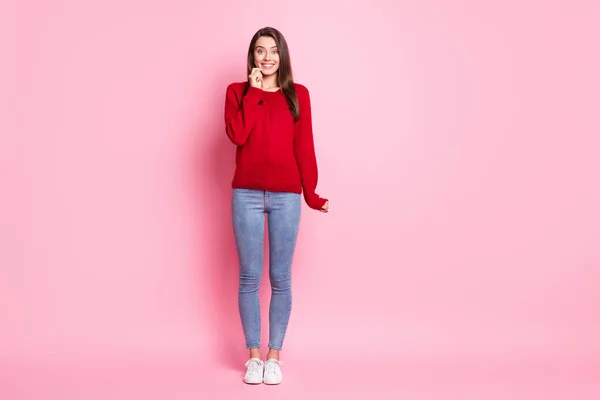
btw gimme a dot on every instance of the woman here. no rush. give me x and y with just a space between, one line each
269 119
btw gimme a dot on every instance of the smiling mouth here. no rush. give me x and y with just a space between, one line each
268 65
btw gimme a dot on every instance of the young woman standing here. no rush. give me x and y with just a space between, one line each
269 119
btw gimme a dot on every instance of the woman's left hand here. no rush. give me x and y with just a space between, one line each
325 208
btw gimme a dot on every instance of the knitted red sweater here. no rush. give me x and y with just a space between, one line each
273 153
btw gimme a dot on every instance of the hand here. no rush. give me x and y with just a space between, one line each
255 78
325 208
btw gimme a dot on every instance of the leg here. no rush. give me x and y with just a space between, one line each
249 226
284 220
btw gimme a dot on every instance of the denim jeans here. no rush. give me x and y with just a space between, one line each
283 220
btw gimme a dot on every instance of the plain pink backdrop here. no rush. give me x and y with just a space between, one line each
457 141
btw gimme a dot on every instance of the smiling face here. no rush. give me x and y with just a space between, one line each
266 55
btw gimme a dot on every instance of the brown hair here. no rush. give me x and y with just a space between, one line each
285 79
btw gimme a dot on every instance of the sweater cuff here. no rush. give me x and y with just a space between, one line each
254 95
315 202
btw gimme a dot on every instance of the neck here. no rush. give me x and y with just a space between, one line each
270 82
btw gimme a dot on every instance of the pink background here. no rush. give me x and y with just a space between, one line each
458 143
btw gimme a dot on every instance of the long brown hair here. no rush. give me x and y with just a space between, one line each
285 79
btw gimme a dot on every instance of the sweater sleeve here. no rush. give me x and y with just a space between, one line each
241 114
304 150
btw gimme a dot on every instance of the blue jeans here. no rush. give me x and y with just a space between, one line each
283 215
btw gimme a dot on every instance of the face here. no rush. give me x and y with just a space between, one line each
266 55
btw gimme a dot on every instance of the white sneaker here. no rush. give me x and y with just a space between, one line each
254 374
272 374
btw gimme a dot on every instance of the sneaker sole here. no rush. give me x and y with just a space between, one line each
272 383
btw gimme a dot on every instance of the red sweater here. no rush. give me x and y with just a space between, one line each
273 153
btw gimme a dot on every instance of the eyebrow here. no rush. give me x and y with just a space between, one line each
262 47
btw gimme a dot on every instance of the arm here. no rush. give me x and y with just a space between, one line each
240 114
304 150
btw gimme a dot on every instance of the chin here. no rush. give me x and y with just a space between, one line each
269 73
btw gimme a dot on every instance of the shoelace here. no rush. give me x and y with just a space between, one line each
253 365
271 366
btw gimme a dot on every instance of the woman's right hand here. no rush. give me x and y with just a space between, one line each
255 78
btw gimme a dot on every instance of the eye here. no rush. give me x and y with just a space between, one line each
259 51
